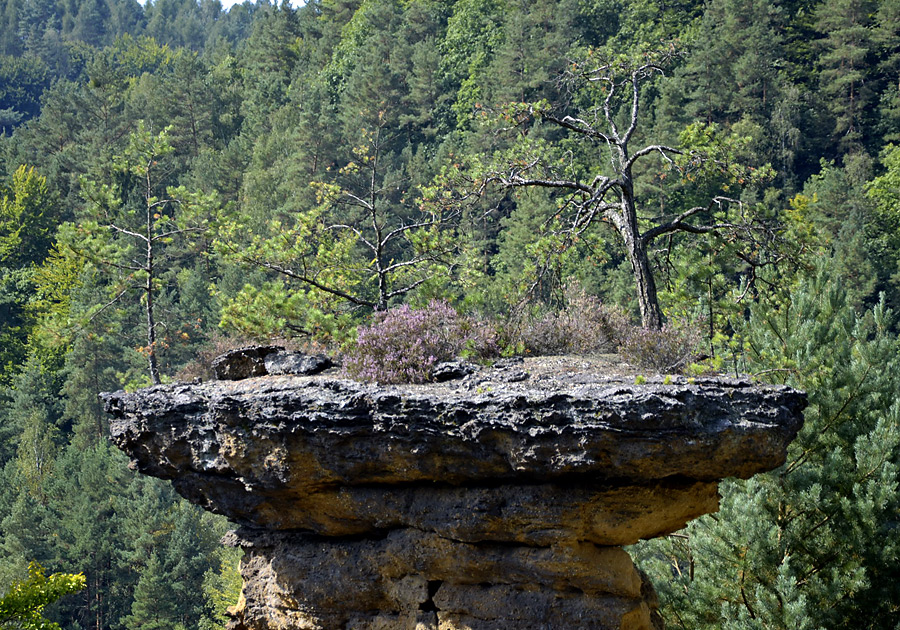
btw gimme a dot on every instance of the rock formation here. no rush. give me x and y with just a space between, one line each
498 500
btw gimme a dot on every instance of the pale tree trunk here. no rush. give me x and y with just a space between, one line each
651 315
636 248
151 329
148 290
151 339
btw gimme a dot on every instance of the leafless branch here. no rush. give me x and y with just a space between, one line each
162 202
662 149
678 223
114 265
358 201
521 182
116 228
577 125
110 303
178 231
312 281
355 230
408 263
411 226
408 288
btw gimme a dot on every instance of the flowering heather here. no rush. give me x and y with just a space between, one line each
404 344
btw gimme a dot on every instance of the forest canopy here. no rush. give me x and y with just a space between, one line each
176 179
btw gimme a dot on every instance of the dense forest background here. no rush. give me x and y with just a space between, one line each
175 178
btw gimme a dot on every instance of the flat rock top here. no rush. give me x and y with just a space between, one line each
534 419
589 376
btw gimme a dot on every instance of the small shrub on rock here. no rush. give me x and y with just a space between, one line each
585 326
671 349
404 344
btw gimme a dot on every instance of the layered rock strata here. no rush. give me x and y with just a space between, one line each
490 502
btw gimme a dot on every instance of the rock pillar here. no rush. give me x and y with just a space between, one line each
500 500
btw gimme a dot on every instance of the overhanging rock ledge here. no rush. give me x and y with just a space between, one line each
489 502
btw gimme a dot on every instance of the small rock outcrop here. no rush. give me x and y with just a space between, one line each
483 502
252 361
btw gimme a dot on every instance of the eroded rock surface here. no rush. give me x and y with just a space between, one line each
250 361
482 502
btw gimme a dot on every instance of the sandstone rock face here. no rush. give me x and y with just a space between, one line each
483 502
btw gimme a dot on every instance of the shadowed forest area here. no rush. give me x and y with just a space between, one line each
176 179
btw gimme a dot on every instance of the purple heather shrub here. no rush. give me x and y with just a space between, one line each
403 344
668 350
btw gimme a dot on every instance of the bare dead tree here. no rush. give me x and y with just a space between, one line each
609 196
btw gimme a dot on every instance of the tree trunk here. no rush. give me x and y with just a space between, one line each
151 321
151 341
651 315
382 288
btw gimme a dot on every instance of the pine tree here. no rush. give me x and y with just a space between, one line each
23 81
122 222
189 556
171 545
887 37
809 545
882 230
268 62
10 42
35 18
90 24
846 46
153 607
84 498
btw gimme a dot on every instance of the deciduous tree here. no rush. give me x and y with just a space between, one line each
21 606
28 216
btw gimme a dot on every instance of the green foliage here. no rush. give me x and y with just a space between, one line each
23 603
129 232
883 228
273 310
22 82
174 551
846 42
221 589
365 242
834 214
318 127
810 545
722 158
28 215
473 34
